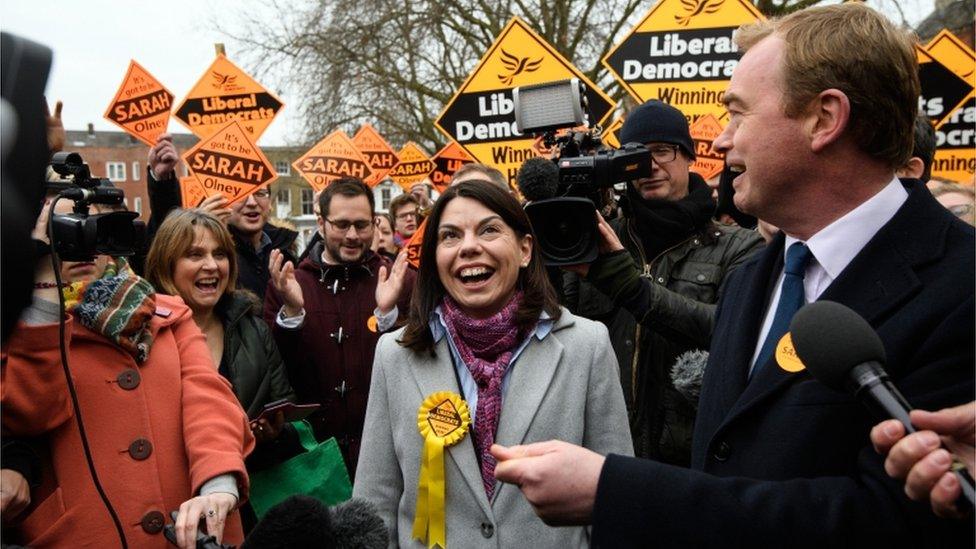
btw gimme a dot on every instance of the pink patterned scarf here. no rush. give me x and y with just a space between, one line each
486 346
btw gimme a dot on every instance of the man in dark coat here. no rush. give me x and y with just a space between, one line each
819 123
323 314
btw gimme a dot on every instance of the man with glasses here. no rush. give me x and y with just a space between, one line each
656 293
254 237
323 313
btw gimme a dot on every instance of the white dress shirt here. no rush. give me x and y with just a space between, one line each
834 247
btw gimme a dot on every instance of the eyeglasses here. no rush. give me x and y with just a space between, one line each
662 154
407 215
262 193
343 225
961 210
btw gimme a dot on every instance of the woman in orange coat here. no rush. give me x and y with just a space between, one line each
165 430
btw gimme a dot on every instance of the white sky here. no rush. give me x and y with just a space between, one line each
93 41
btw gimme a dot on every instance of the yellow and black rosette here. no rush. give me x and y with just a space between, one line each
443 420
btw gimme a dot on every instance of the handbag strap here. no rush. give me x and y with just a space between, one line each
305 435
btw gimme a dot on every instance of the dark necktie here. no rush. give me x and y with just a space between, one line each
790 300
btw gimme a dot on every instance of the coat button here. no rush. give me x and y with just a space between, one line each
140 449
696 242
487 529
152 522
700 277
129 379
660 280
723 451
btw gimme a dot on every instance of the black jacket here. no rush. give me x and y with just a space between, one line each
655 309
252 264
251 361
782 460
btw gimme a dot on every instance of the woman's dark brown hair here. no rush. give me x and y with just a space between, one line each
537 293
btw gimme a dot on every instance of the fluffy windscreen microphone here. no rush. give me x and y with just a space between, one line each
687 373
538 179
302 521
843 351
299 521
356 525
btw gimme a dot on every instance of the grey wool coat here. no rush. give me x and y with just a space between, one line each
565 387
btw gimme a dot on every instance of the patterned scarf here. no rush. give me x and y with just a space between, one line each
118 305
486 347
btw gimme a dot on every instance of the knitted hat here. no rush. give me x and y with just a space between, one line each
655 121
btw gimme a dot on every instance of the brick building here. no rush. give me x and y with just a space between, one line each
122 158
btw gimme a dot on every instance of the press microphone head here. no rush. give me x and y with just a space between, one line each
831 339
356 524
538 179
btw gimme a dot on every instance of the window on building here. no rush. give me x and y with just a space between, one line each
283 167
137 205
135 171
307 196
283 203
115 170
385 198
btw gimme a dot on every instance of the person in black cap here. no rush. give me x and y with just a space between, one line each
657 279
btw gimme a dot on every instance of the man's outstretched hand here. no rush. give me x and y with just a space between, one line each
559 479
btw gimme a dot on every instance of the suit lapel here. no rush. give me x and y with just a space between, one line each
528 384
439 375
746 310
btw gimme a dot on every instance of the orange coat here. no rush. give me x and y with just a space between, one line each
157 431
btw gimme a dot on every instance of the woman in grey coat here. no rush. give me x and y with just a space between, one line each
484 329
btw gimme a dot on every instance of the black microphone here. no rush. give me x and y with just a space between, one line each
538 179
843 351
303 521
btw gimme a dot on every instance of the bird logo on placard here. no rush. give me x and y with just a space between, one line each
696 7
222 79
517 66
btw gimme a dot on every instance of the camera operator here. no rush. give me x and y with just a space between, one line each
657 279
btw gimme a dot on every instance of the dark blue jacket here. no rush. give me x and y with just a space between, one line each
784 461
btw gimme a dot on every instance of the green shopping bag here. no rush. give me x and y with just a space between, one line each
320 472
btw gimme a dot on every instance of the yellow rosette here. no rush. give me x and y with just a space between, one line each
443 420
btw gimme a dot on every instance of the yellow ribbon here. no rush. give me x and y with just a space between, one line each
443 420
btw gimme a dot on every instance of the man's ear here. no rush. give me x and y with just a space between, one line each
828 115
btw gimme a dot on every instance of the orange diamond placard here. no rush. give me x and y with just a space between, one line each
192 192
142 105
228 162
334 157
224 93
447 162
413 245
413 167
707 164
378 153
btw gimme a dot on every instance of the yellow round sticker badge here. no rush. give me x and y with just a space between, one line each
443 420
786 355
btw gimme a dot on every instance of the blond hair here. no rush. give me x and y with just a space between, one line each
854 49
174 237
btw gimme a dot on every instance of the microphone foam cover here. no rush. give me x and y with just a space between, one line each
538 179
831 339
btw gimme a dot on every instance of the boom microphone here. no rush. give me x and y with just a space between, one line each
538 179
843 351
